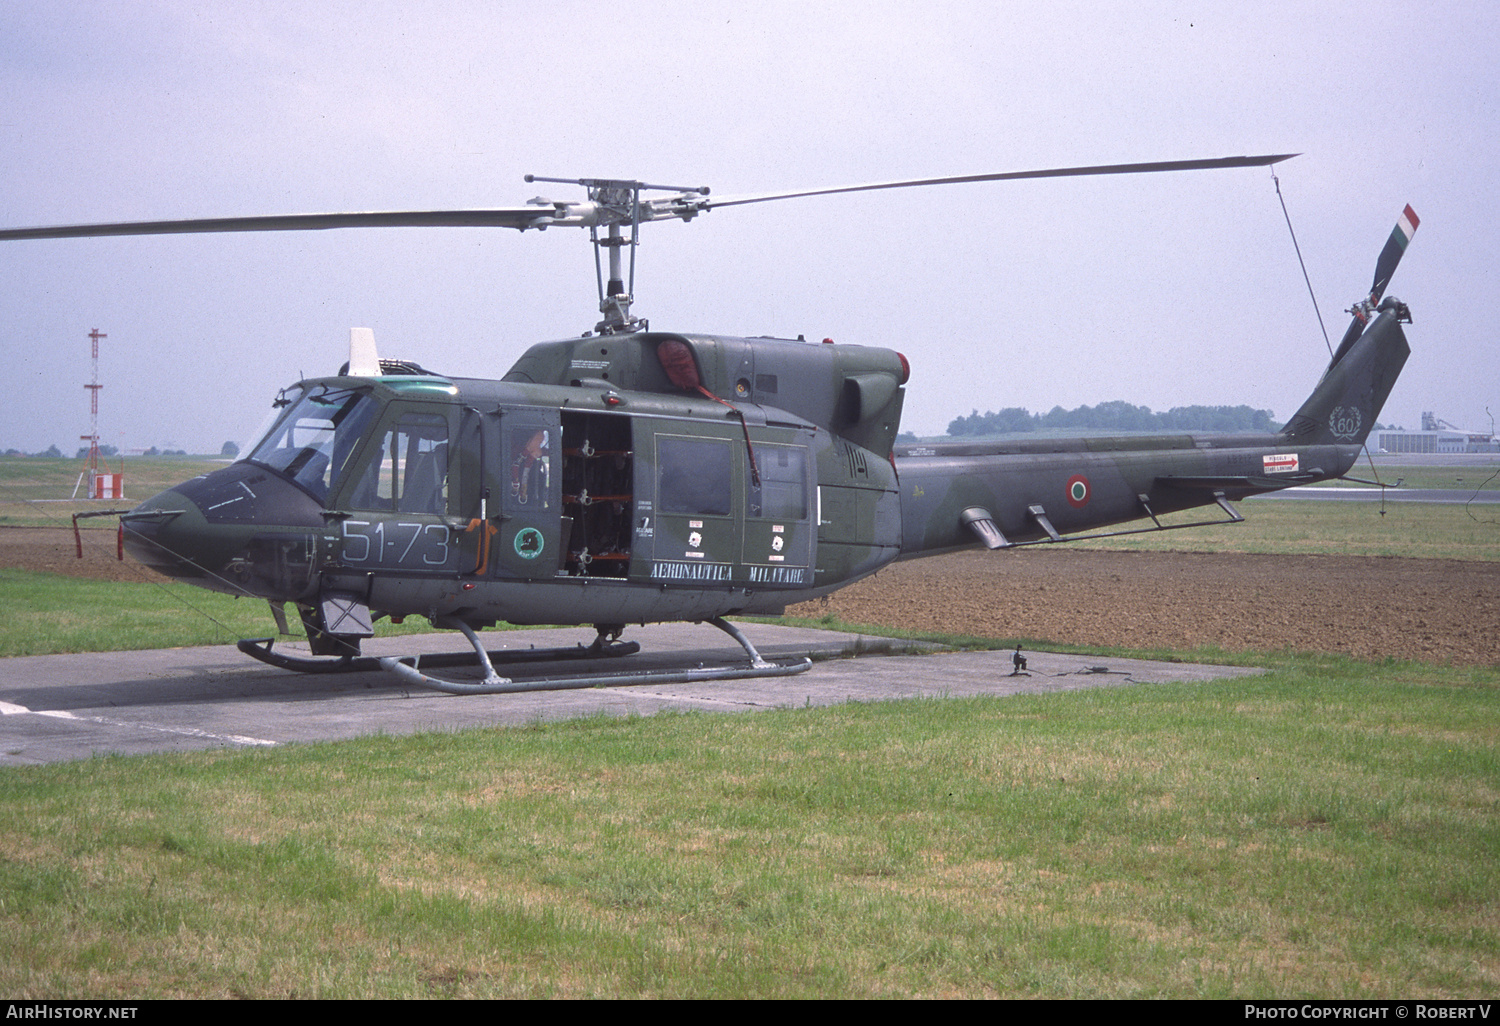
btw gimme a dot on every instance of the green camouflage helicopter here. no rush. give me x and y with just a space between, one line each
635 476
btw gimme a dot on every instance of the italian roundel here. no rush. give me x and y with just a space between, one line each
1078 491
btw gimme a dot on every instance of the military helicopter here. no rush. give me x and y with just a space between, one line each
629 476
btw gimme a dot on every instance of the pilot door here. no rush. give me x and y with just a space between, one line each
398 497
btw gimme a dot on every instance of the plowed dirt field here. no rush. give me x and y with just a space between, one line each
1370 607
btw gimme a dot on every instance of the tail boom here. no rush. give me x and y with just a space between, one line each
958 495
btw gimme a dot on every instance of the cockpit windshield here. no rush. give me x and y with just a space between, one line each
313 439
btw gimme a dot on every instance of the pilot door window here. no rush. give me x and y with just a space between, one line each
408 473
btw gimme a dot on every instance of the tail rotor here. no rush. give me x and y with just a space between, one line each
1342 409
1385 267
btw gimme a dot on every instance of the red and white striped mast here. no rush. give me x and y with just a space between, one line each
107 485
93 436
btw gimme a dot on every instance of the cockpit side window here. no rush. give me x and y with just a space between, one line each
408 472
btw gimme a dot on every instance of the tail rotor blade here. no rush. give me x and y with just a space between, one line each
1395 246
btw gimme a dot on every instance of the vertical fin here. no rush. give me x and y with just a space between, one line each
1343 408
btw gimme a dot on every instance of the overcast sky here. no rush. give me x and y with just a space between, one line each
1160 290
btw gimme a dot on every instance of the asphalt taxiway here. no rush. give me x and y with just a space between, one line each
57 708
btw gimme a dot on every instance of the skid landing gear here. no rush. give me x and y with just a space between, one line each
260 648
494 684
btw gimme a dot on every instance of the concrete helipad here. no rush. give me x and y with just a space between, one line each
74 706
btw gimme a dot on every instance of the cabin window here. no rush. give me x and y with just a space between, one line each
408 472
782 494
313 440
529 449
695 476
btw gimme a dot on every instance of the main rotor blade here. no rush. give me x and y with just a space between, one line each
538 215
1056 172
500 217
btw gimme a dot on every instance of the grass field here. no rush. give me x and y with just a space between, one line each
35 492
1414 530
48 614
1480 478
1328 829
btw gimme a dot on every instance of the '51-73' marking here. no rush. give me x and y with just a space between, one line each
395 543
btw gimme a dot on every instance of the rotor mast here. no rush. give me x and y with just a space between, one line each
617 202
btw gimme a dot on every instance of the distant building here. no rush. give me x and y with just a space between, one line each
1434 441
1437 435
1421 441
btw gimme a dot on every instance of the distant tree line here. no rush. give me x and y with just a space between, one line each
229 449
1115 416
110 451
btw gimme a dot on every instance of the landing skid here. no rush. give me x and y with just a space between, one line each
260 648
494 684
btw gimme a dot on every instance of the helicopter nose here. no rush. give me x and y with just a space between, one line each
240 530
166 533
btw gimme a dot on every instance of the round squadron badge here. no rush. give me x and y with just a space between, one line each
529 543
1078 491
1344 421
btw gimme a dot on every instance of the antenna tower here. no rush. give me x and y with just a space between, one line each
101 486
93 436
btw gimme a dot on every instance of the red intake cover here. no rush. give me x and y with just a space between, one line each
677 360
